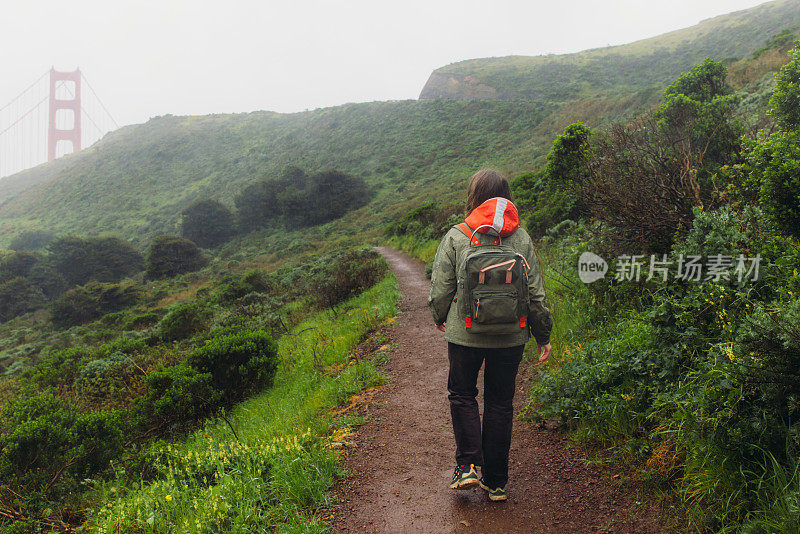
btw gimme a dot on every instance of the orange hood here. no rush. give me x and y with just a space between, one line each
497 216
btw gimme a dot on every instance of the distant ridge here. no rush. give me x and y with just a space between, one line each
611 70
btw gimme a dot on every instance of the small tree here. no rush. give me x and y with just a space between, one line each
554 193
207 222
785 100
697 115
170 255
103 259
18 296
31 240
85 303
776 165
332 194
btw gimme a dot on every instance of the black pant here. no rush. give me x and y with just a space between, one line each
487 448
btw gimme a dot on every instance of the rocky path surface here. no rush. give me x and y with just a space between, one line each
401 465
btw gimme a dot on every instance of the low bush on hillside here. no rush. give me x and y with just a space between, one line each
296 199
101 259
170 255
31 240
238 361
184 320
429 221
208 223
86 303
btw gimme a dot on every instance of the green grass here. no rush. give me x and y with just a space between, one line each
270 465
420 248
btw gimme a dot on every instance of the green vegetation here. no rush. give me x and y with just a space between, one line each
194 392
171 255
690 381
136 181
632 68
297 200
207 222
95 407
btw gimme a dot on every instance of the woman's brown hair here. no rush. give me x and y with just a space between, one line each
486 184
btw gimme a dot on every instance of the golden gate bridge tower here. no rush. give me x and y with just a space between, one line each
58 114
68 110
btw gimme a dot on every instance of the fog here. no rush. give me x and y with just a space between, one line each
148 58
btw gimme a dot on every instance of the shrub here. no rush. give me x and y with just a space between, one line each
785 100
553 194
207 222
341 275
102 378
102 259
429 221
18 296
252 282
239 361
170 255
776 165
269 200
183 321
31 240
14 264
86 303
142 320
300 200
45 439
177 393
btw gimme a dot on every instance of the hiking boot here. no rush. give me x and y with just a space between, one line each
464 477
496 494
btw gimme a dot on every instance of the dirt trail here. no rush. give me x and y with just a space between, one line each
404 458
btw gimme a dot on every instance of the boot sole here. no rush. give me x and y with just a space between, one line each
495 498
465 484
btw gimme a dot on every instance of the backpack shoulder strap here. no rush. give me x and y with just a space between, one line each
469 232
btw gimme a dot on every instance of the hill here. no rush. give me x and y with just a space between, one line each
135 181
626 69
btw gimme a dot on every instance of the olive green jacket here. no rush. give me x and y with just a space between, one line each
454 246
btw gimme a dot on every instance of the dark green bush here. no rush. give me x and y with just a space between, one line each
18 296
429 221
177 393
16 264
553 194
207 222
86 303
44 439
785 100
171 255
102 378
338 276
102 259
31 240
142 320
183 321
296 199
237 287
239 361
776 165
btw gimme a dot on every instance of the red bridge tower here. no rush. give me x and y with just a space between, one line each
71 84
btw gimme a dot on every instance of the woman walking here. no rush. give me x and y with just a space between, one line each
487 296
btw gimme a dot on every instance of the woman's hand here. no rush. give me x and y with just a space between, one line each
440 327
544 352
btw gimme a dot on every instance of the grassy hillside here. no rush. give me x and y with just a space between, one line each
136 181
625 69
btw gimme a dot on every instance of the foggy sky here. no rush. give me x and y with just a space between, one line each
148 58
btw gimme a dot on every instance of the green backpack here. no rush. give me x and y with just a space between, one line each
492 287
